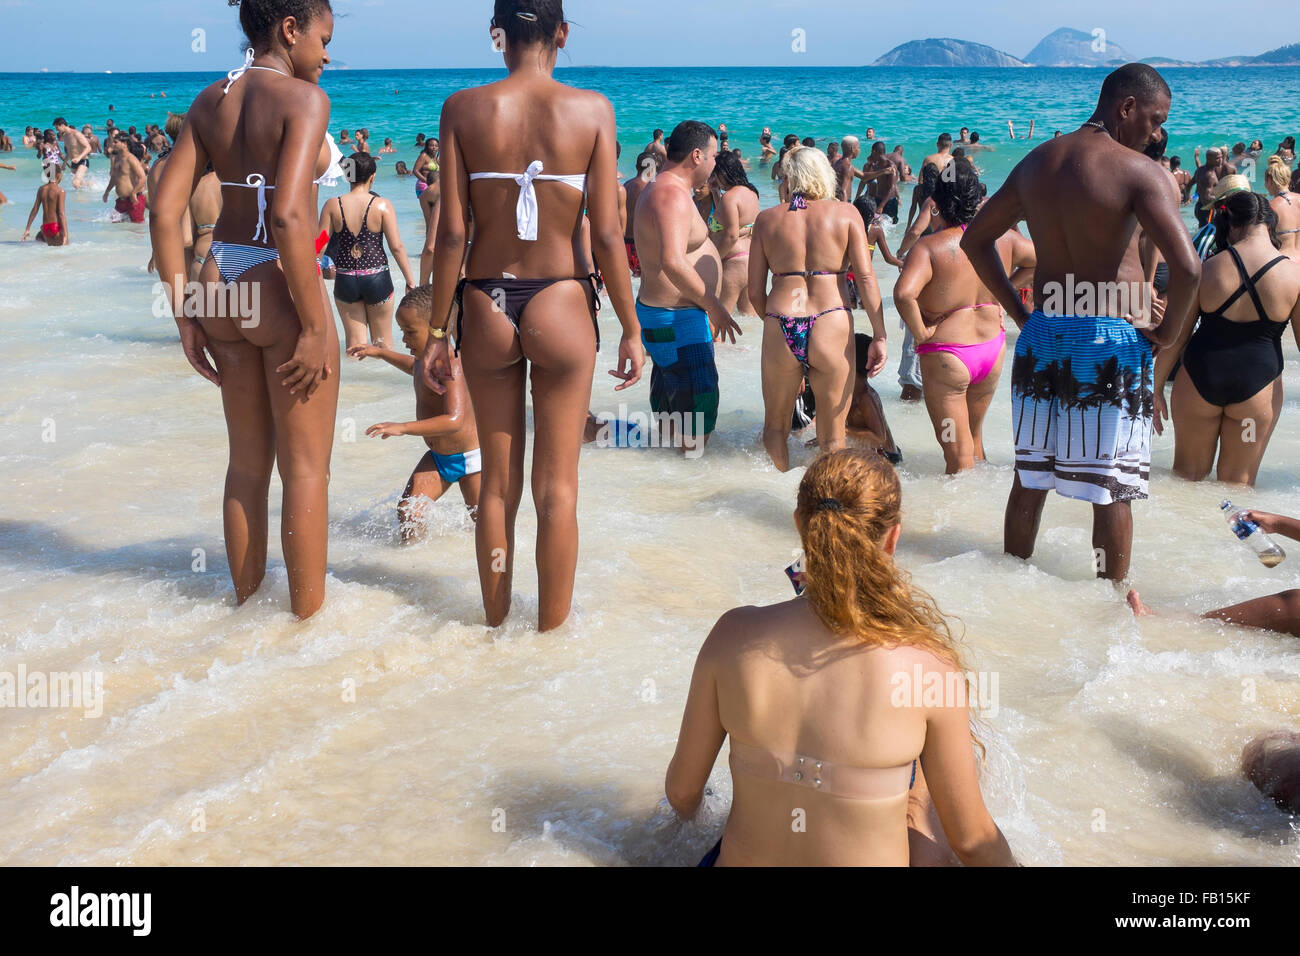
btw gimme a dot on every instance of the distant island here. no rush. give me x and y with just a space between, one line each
1064 48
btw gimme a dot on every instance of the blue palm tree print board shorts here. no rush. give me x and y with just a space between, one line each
1082 401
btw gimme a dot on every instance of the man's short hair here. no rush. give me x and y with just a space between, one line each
809 141
790 140
60 121
850 142
945 140
974 137
1137 80
1175 162
658 133
687 137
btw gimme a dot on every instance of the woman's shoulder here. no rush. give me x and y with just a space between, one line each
745 625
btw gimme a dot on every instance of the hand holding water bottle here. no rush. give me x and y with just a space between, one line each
1249 527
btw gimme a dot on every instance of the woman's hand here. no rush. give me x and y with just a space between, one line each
631 360
309 366
195 343
435 365
1161 413
877 356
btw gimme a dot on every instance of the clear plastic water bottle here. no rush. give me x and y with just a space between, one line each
1270 555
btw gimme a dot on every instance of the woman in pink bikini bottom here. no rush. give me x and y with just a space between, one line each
955 321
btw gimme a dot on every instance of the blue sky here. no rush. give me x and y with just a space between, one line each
140 35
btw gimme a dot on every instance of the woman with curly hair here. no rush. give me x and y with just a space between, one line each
821 698
954 319
735 208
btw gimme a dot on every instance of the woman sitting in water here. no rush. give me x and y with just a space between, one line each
954 319
528 153
1228 394
809 693
735 207
808 327
264 130
357 225
1285 205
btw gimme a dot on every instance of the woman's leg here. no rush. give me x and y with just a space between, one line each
830 358
353 315
495 373
560 341
1197 424
304 441
1243 436
782 381
944 383
247 406
379 319
978 398
735 277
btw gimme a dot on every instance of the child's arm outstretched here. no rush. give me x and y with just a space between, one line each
456 405
396 359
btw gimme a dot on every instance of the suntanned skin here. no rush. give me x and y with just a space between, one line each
879 177
431 206
445 422
1203 431
76 147
736 212
658 147
361 320
941 157
775 677
204 211
845 172
1083 195
277 373
827 236
50 201
936 280
503 127
127 176
1207 177
680 267
187 223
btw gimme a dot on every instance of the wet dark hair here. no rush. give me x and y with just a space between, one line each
866 207
959 153
657 133
957 193
862 344
1137 80
809 141
688 136
528 22
790 140
1242 210
364 165
929 177
1156 148
731 172
974 137
1288 143
765 139
60 121
259 18
945 139
1175 162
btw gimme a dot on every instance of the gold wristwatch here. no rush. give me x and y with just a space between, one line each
437 333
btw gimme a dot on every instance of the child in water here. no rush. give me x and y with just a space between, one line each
445 422
50 201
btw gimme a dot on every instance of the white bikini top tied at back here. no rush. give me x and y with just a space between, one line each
257 181
526 208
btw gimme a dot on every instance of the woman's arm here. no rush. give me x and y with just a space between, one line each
292 223
185 167
757 281
949 764
868 291
701 734
607 248
452 246
393 235
916 274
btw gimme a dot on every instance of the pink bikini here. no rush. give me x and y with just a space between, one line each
980 358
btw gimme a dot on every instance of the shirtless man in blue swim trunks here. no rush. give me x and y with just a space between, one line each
678 305
1082 381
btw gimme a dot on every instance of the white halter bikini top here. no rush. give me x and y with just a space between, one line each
331 177
526 208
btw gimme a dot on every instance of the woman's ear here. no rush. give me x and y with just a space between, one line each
562 36
891 539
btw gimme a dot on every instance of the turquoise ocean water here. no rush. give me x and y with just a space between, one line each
908 106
